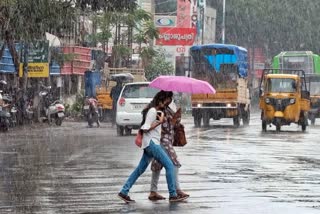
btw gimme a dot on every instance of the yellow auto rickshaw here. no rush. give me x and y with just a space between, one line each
283 98
313 83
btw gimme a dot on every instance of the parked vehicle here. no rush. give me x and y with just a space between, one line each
53 110
225 67
11 108
313 82
284 98
132 100
4 115
4 119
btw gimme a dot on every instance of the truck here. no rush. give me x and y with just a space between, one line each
303 60
225 67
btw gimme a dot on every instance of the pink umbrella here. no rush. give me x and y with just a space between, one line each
182 84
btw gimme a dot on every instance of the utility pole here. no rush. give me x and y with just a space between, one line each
223 21
202 24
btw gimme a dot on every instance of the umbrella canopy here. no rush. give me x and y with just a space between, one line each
54 41
123 77
182 84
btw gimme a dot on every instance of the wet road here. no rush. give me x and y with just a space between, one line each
73 169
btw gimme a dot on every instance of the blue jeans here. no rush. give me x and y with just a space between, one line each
157 152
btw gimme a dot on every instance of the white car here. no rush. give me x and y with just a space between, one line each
132 100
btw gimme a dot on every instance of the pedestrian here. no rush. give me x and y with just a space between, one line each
173 117
114 94
151 126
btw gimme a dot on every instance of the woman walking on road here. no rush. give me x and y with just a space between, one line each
173 118
151 126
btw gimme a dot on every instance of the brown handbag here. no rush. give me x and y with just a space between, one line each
179 136
138 140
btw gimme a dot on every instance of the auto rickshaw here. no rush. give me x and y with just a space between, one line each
313 83
283 98
103 93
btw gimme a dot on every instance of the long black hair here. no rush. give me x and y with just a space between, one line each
161 96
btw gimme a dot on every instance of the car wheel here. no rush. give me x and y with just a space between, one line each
127 131
120 130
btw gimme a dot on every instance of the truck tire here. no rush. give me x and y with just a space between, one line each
206 119
312 119
197 120
236 121
246 118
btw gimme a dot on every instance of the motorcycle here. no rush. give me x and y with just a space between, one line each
4 115
4 119
91 111
53 110
11 108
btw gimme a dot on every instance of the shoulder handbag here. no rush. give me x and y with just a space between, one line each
138 139
179 136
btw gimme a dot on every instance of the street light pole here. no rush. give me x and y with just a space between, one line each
223 21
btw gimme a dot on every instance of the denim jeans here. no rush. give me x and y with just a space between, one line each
155 179
157 152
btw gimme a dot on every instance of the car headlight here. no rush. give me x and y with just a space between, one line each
267 100
229 105
199 105
292 101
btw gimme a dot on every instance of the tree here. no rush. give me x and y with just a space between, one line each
274 25
159 66
35 17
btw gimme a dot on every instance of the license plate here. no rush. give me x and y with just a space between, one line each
139 106
60 114
86 107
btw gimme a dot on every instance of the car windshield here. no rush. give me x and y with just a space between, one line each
139 91
285 85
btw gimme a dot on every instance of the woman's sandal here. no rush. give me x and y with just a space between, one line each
182 194
154 196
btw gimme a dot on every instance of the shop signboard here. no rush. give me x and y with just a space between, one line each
38 65
176 36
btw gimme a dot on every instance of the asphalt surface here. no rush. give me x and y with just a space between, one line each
75 169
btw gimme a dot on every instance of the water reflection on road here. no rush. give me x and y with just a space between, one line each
73 169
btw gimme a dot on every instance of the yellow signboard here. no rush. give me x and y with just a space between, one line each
36 69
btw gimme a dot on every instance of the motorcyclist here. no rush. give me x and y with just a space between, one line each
93 115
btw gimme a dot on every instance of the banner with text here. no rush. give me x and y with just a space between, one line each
176 36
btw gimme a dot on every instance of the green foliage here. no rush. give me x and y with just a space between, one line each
30 19
274 25
159 66
76 108
106 5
